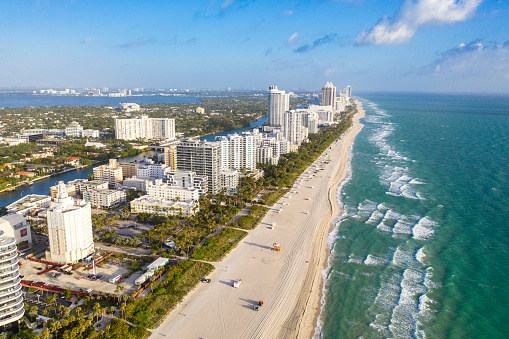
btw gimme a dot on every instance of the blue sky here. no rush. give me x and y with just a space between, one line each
373 45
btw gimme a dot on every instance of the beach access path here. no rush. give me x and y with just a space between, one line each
289 282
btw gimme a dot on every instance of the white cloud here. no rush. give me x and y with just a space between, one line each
226 4
413 15
287 13
473 59
292 38
329 71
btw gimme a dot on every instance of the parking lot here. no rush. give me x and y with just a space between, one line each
81 279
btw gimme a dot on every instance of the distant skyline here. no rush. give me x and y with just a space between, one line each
392 45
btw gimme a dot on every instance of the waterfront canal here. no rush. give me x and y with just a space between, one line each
42 186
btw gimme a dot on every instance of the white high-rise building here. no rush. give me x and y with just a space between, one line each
293 129
310 120
69 229
238 151
144 127
328 95
278 104
348 91
11 295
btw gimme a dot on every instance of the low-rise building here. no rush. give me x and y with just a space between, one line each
83 185
28 204
152 205
26 174
90 133
158 263
186 179
176 193
152 171
111 173
73 161
229 179
134 183
104 198
16 226
74 130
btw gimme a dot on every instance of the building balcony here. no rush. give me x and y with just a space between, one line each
7 317
7 244
10 291
14 302
8 257
6 269
9 282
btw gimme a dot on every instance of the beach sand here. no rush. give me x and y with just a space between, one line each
289 282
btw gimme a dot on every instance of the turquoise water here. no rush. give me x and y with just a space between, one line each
422 249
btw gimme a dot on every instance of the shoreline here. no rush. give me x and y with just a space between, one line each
313 309
286 281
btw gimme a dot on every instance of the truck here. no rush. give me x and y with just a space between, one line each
114 279
144 277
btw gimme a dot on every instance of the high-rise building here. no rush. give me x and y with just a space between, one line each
144 127
69 229
111 173
170 156
238 151
11 295
328 95
201 157
348 91
278 104
293 129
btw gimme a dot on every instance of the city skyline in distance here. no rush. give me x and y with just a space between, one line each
423 45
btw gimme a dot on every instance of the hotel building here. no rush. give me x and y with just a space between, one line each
328 95
144 127
69 229
278 104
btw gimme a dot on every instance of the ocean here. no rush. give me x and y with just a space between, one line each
421 250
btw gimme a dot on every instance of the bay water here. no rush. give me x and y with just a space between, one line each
421 250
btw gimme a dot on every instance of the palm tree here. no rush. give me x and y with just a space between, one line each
78 309
111 310
44 334
33 310
122 309
54 326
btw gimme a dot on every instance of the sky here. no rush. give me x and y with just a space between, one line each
372 45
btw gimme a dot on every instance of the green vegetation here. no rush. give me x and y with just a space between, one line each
271 198
217 246
291 165
216 212
181 278
248 222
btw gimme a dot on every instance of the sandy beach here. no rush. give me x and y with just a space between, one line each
290 281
